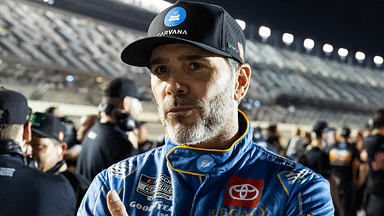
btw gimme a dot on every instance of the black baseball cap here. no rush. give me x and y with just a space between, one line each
345 132
13 107
206 26
47 125
121 87
320 127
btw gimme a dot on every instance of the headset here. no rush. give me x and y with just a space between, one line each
30 162
124 120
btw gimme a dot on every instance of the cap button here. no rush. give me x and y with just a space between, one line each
205 163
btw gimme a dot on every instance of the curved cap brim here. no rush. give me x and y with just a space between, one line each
139 52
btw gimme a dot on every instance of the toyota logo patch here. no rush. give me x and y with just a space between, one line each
243 192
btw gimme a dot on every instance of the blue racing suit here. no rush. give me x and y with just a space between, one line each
245 179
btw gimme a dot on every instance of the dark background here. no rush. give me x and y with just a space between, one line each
357 25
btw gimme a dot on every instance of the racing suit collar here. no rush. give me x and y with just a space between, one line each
199 161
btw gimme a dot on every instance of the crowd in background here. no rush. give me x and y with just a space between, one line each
338 154
350 161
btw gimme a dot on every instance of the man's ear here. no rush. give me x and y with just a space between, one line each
243 76
27 132
62 148
61 136
126 103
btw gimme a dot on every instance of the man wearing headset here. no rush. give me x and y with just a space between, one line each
107 141
48 148
26 190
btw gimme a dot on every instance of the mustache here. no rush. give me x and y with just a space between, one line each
173 102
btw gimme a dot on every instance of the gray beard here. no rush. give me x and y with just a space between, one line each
207 125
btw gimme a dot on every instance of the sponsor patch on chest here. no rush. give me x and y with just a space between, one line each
243 192
155 187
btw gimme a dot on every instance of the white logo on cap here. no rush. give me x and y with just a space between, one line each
175 17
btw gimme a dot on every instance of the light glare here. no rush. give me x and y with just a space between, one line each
328 48
288 38
70 78
241 23
378 60
309 43
342 52
264 31
360 56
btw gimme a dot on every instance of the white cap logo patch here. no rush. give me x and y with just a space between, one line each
175 17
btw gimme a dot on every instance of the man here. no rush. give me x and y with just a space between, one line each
25 190
209 164
374 155
344 159
107 142
48 149
71 154
295 145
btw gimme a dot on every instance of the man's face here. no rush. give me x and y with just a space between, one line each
85 124
194 90
46 153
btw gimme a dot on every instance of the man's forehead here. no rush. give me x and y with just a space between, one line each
182 49
37 138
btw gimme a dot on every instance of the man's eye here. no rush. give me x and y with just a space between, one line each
195 65
160 70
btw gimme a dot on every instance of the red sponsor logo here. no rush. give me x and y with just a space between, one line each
243 192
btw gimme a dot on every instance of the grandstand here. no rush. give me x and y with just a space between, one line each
42 48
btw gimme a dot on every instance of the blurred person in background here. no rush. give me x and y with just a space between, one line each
295 145
315 158
362 173
107 141
71 154
374 156
262 140
53 110
209 164
24 189
345 160
70 128
307 139
329 138
273 137
48 148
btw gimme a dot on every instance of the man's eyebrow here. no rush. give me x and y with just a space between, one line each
161 60
190 57
157 61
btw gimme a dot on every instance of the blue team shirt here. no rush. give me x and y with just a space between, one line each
245 179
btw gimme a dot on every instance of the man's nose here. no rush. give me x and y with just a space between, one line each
176 85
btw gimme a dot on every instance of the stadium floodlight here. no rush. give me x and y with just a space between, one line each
49 1
378 60
241 23
309 44
328 49
99 79
70 78
264 33
288 38
360 56
342 53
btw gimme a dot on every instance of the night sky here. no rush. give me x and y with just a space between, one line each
352 24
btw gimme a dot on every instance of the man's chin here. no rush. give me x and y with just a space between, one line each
184 135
